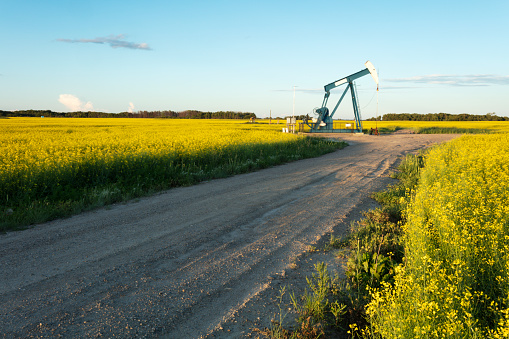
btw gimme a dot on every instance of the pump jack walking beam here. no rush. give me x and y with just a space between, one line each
324 122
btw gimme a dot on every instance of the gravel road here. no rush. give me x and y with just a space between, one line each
189 262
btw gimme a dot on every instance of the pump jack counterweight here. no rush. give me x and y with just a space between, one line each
324 122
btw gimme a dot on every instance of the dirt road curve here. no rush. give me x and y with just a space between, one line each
183 263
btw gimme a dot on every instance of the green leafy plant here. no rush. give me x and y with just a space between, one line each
319 305
277 330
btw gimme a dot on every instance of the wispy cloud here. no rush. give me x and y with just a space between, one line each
115 41
73 103
455 80
304 90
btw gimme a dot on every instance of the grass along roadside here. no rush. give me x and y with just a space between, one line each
335 307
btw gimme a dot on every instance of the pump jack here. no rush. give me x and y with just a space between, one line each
324 122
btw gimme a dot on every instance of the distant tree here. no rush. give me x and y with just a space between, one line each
442 117
188 114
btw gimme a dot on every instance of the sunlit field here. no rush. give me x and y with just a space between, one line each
52 167
439 126
455 281
423 127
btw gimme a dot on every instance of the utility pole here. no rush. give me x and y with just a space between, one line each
293 114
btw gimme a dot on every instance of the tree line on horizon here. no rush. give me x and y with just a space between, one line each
194 114
439 117
188 114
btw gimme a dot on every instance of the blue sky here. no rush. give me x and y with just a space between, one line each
114 56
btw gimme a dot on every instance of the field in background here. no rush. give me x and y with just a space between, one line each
420 127
53 167
440 126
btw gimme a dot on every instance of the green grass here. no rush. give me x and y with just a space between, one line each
320 312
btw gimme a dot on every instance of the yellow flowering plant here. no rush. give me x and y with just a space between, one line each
52 167
455 282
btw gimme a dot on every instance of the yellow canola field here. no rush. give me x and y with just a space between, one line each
459 127
495 126
51 167
54 142
455 283
32 145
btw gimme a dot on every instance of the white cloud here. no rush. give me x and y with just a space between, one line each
73 103
114 41
303 90
88 106
456 80
131 107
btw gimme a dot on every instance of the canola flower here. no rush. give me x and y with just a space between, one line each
73 163
455 283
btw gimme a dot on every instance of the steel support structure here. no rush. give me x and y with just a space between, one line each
324 121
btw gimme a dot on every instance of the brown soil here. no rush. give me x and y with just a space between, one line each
200 261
